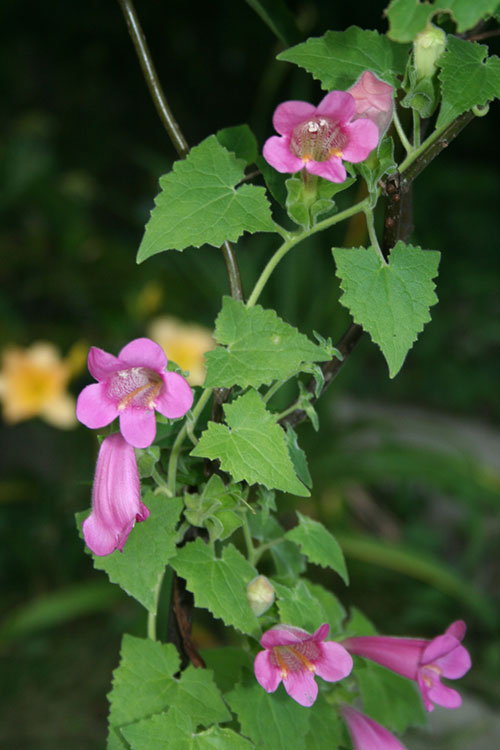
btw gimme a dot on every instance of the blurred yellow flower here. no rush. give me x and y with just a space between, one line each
185 344
33 383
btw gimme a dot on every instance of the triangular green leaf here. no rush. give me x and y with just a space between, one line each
259 347
338 58
325 727
408 17
143 683
199 203
219 585
467 78
198 697
272 721
318 545
148 549
334 611
390 301
251 447
240 140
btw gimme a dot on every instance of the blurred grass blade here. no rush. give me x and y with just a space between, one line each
431 571
58 608
276 15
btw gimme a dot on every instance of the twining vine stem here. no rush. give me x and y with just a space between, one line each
171 126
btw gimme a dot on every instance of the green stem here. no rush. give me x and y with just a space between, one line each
416 129
248 539
294 239
401 133
257 553
183 432
370 223
159 478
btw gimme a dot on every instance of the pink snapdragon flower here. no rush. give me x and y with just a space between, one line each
374 100
318 138
421 660
116 497
295 656
367 734
132 386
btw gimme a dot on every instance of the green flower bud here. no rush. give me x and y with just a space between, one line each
260 595
428 47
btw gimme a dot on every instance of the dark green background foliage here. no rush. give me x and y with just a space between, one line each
406 471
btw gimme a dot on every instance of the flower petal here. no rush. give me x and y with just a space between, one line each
267 675
321 633
301 686
284 635
176 398
366 733
99 537
339 105
290 114
439 647
332 170
101 364
444 696
277 153
363 138
455 664
143 353
93 407
138 426
335 662
458 629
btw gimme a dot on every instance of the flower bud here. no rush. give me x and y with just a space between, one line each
260 595
428 47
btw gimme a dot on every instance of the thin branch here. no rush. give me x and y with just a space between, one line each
171 126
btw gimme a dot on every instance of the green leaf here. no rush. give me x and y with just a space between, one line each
143 683
390 699
149 547
251 447
199 203
408 17
467 78
358 624
174 731
218 585
240 141
377 165
288 561
318 545
226 663
272 721
298 456
298 607
333 610
390 301
198 697
325 727
258 348
338 58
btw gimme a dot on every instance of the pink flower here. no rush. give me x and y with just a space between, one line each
318 138
374 100
421 660
366 734
132 386
116 498
295 656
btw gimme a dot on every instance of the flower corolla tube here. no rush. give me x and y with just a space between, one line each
367 734
131 386
294 656
421 660
317 139
116 497
374 99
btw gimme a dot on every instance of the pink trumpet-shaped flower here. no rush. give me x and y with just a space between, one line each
132 386
374 100
318 138
421 660
295 656
367 734
116 498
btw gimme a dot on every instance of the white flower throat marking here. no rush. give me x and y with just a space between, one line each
318 139
137 386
